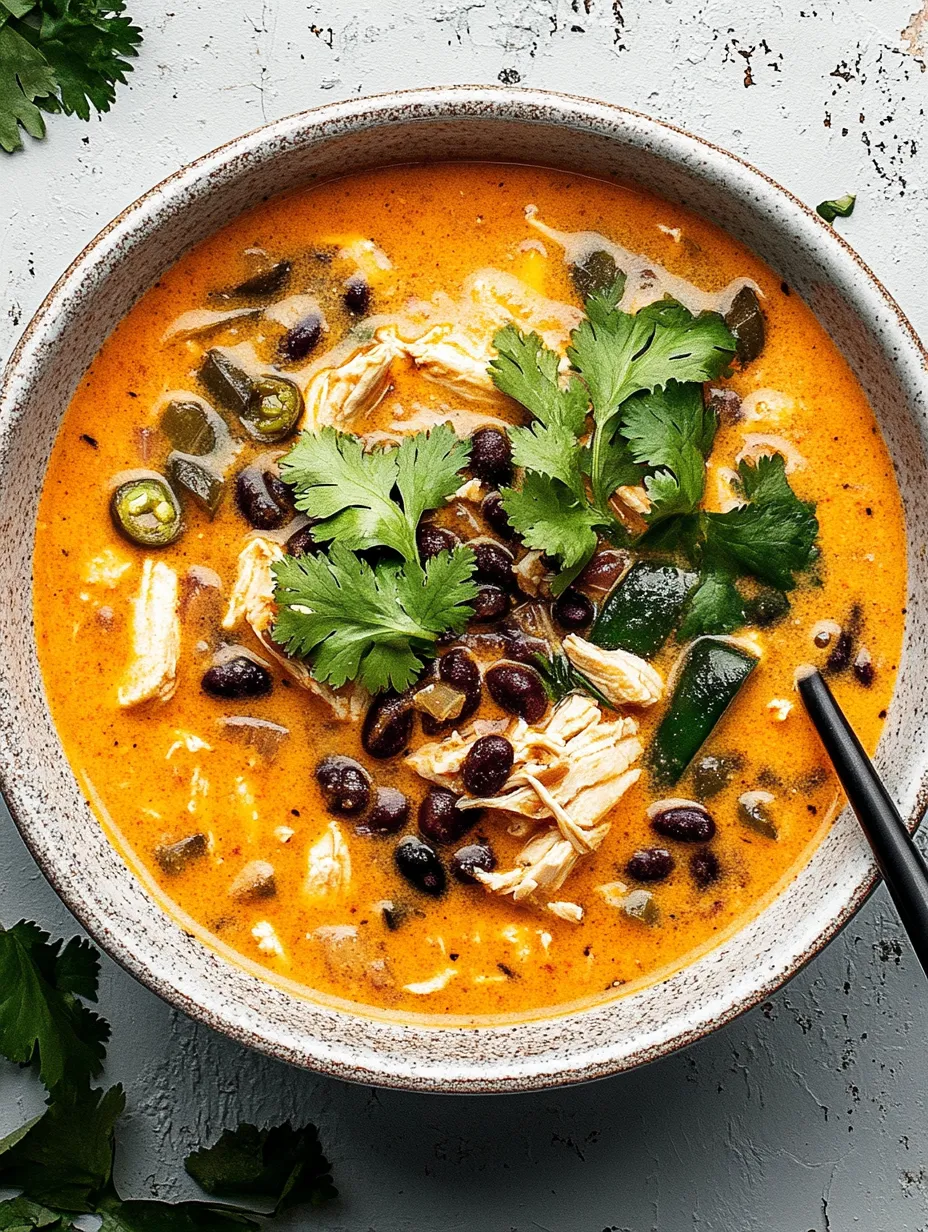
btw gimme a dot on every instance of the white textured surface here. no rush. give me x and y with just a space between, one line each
808 1113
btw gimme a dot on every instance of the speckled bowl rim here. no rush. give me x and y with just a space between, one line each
439 103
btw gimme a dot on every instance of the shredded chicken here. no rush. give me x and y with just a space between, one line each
620 676
328 864
572 912
568 773
106 569
155 637
435 984
252 600
339 396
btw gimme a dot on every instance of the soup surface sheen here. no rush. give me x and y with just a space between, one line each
162 771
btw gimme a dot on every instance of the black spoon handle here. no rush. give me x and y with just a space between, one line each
902 865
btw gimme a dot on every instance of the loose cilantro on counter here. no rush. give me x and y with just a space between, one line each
60 55
62 1160
837 207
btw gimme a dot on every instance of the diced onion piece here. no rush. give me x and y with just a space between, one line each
439 700
261 735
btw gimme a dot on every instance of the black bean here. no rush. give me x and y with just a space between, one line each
487 765
441 820
518 688
389 813
522 646
303 542
494 564
495 515
704 868
766 608
301 338
491 456
650 864
263 498
433 539
174 857
421 867
573 610
238 677
468 860
387 726
459 669
357 294
604 570
345 784
490 603
684 822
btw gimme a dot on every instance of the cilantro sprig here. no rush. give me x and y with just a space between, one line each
60 55
638 378
62 1160
630 410
350 619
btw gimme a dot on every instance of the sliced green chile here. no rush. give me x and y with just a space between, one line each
275 409
746 321
146 511
226 381
712 675
643 608
198 480
191 427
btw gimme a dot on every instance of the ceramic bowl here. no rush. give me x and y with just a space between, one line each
122 262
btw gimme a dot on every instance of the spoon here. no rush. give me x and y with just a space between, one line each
901 863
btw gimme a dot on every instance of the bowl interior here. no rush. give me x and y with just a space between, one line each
44 796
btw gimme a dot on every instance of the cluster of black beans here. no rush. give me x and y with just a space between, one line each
682 823
349 791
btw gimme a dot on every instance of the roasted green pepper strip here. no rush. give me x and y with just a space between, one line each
275 408
229 385
191 427
147 512
713 672
643 608
196 478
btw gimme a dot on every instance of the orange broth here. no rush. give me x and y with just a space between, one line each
151 784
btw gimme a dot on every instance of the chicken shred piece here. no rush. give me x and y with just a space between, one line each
155 637
622 677
568 773
328 864
572 912
338 396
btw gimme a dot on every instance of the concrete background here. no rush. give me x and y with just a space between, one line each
807 1114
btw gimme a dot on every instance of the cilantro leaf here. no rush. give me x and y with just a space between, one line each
64 1158
21 1215
527 370
551 518
60 55
618 354
350 490
671 431
85 42
377 625
837 207
39 1016
716 606
283 1164
551 451
773 537
24 77
428 469
119 1216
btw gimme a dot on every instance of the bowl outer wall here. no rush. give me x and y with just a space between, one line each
44 797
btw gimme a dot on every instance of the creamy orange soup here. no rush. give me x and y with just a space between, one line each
227 823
